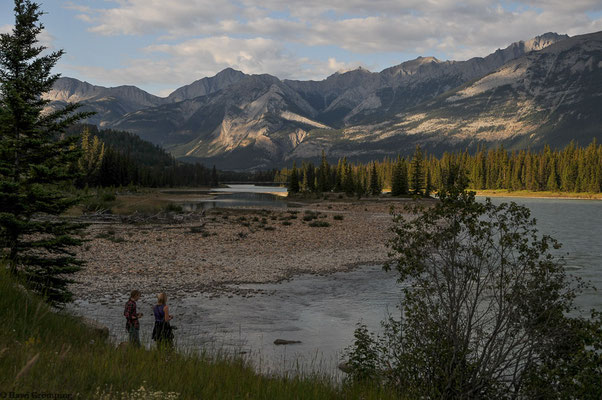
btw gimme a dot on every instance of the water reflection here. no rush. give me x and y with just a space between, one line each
240 196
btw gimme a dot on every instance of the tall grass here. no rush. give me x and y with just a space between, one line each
45 350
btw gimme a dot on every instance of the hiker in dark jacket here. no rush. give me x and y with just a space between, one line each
162 332
132 325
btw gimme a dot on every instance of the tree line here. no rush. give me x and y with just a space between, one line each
116 158
571 169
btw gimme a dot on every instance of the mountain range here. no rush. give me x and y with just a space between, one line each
547 90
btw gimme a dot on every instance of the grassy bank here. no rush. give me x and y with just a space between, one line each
541 195
133 200
45 351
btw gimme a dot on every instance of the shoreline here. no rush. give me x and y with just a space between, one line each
538 195
232 247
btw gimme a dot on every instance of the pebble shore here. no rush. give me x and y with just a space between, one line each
234 246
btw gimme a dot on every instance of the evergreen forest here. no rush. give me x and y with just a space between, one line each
573 169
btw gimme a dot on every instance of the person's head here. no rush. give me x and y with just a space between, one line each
135 295
162 298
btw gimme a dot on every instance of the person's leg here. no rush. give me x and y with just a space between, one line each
134 336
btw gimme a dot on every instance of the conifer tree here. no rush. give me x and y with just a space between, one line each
399 184
374 183
417 172
214 177
348 181
324 175
35 163
428 184
293 186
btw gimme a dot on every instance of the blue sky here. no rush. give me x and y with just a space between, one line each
159 45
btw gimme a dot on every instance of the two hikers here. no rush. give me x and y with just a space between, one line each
162 332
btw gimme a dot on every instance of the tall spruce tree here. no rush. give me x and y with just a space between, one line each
35 163
417 171
293 185
324 175
374 183
399 184
214 177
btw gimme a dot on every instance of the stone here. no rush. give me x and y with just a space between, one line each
345 367
280 342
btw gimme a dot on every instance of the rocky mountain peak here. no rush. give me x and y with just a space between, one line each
205 86
543 41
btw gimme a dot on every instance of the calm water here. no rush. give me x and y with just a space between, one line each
241 196
577 224
322 311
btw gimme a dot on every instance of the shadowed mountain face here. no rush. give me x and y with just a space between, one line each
109 103
524 95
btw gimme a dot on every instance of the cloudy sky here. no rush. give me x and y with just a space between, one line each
159 45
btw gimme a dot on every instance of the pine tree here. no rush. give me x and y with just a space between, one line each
324 175
214 177
428 185
35 163
293 186
417 172
374 184
399 184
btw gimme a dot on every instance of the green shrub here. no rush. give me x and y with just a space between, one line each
319 224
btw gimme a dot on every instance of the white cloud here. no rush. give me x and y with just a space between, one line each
198 38
185 62
355 25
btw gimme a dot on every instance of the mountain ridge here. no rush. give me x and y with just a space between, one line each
258 121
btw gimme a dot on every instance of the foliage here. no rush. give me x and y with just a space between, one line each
89 164
399 184
35 163
375 188
484 308
117 158
573 169
364 360
293 186
417 172
319 224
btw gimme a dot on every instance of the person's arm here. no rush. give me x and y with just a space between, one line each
130 311
167 316
135 313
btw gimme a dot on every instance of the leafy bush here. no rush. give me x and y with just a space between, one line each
319 224
484 311
338 217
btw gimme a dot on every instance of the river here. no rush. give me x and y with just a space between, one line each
322 311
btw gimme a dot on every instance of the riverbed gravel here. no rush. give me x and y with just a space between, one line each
233 246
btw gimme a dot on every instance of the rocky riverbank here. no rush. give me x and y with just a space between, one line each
232 246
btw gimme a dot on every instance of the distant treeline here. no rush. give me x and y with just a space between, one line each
117 158
572 169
